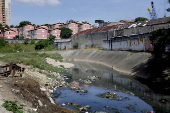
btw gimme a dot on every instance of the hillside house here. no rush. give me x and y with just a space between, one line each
38 33
55 32
23 31
84 26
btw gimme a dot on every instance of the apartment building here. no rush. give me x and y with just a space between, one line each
38 33
23 31
2 12
8 12
71 25
5 12
84 26
10 33
55 32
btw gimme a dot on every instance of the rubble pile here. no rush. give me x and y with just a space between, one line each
78 107
108 95
90 79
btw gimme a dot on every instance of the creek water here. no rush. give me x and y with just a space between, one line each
132 95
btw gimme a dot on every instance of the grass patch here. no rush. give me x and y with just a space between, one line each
14 47
34 59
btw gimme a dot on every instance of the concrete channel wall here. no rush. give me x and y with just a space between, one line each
122 61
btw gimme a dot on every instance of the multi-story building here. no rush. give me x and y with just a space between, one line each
38 33
71 25
5 12
23 31
56 32
84 26
56 25
8 12
10 33
2 12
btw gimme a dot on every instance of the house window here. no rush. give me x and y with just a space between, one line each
74 33
30 27
42 35
84 25
74 25
55 31
8 36
8 32
74 29
42 31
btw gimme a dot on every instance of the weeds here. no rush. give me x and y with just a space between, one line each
12 106
34 59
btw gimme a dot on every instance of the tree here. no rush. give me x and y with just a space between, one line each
65 32
51 38
160 39
1 27
71 20
140 19
99 21
24 23
16 37
11 26
2 41
6 26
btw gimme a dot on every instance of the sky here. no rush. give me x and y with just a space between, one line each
53 11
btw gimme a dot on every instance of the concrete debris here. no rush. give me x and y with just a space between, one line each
78 107
40 103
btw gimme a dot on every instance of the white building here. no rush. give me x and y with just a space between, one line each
8 12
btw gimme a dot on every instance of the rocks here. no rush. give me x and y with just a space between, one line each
0 86
15 91
40 103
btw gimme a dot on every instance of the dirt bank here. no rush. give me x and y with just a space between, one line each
27 91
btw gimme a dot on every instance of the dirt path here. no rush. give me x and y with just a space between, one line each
58 64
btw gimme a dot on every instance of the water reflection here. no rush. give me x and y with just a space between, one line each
113 81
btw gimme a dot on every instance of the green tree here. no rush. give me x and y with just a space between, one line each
24 23
32 41
99 21
140 19
2 41
71 20
6 26
65 32
1 27
41 44
160 39
51 38
11 26
16 37
26 41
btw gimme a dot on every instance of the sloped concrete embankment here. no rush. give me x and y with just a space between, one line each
122 61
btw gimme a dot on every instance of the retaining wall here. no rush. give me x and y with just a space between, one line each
122 61
20 40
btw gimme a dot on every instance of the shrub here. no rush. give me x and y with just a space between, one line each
26 41
2 41
41 44
16 37
32 41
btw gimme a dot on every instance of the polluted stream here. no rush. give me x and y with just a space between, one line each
97 88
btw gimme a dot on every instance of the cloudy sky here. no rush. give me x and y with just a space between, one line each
53 11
